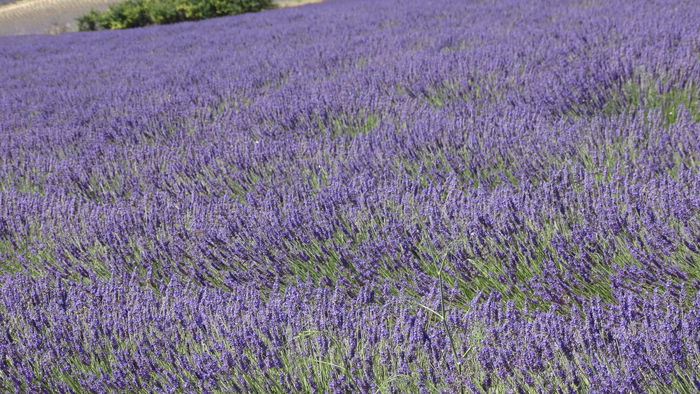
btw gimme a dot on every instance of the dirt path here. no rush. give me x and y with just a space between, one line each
294 3
45 16
56 16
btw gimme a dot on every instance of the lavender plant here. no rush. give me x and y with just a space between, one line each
356 196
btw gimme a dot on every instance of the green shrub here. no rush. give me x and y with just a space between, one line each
136 13
90 21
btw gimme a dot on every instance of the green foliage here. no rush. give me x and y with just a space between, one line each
651 95
646 93
137 13
90 21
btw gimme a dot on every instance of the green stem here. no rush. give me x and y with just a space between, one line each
447 327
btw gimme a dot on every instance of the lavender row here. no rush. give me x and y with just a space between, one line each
176 203
371 153
116 335
616 206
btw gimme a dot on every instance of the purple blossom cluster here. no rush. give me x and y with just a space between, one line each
103 335
356 196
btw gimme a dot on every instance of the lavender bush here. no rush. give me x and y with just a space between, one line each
356 196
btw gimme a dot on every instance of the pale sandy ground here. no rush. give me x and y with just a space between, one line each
292 3
57 16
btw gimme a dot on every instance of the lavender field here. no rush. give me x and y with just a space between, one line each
356 196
